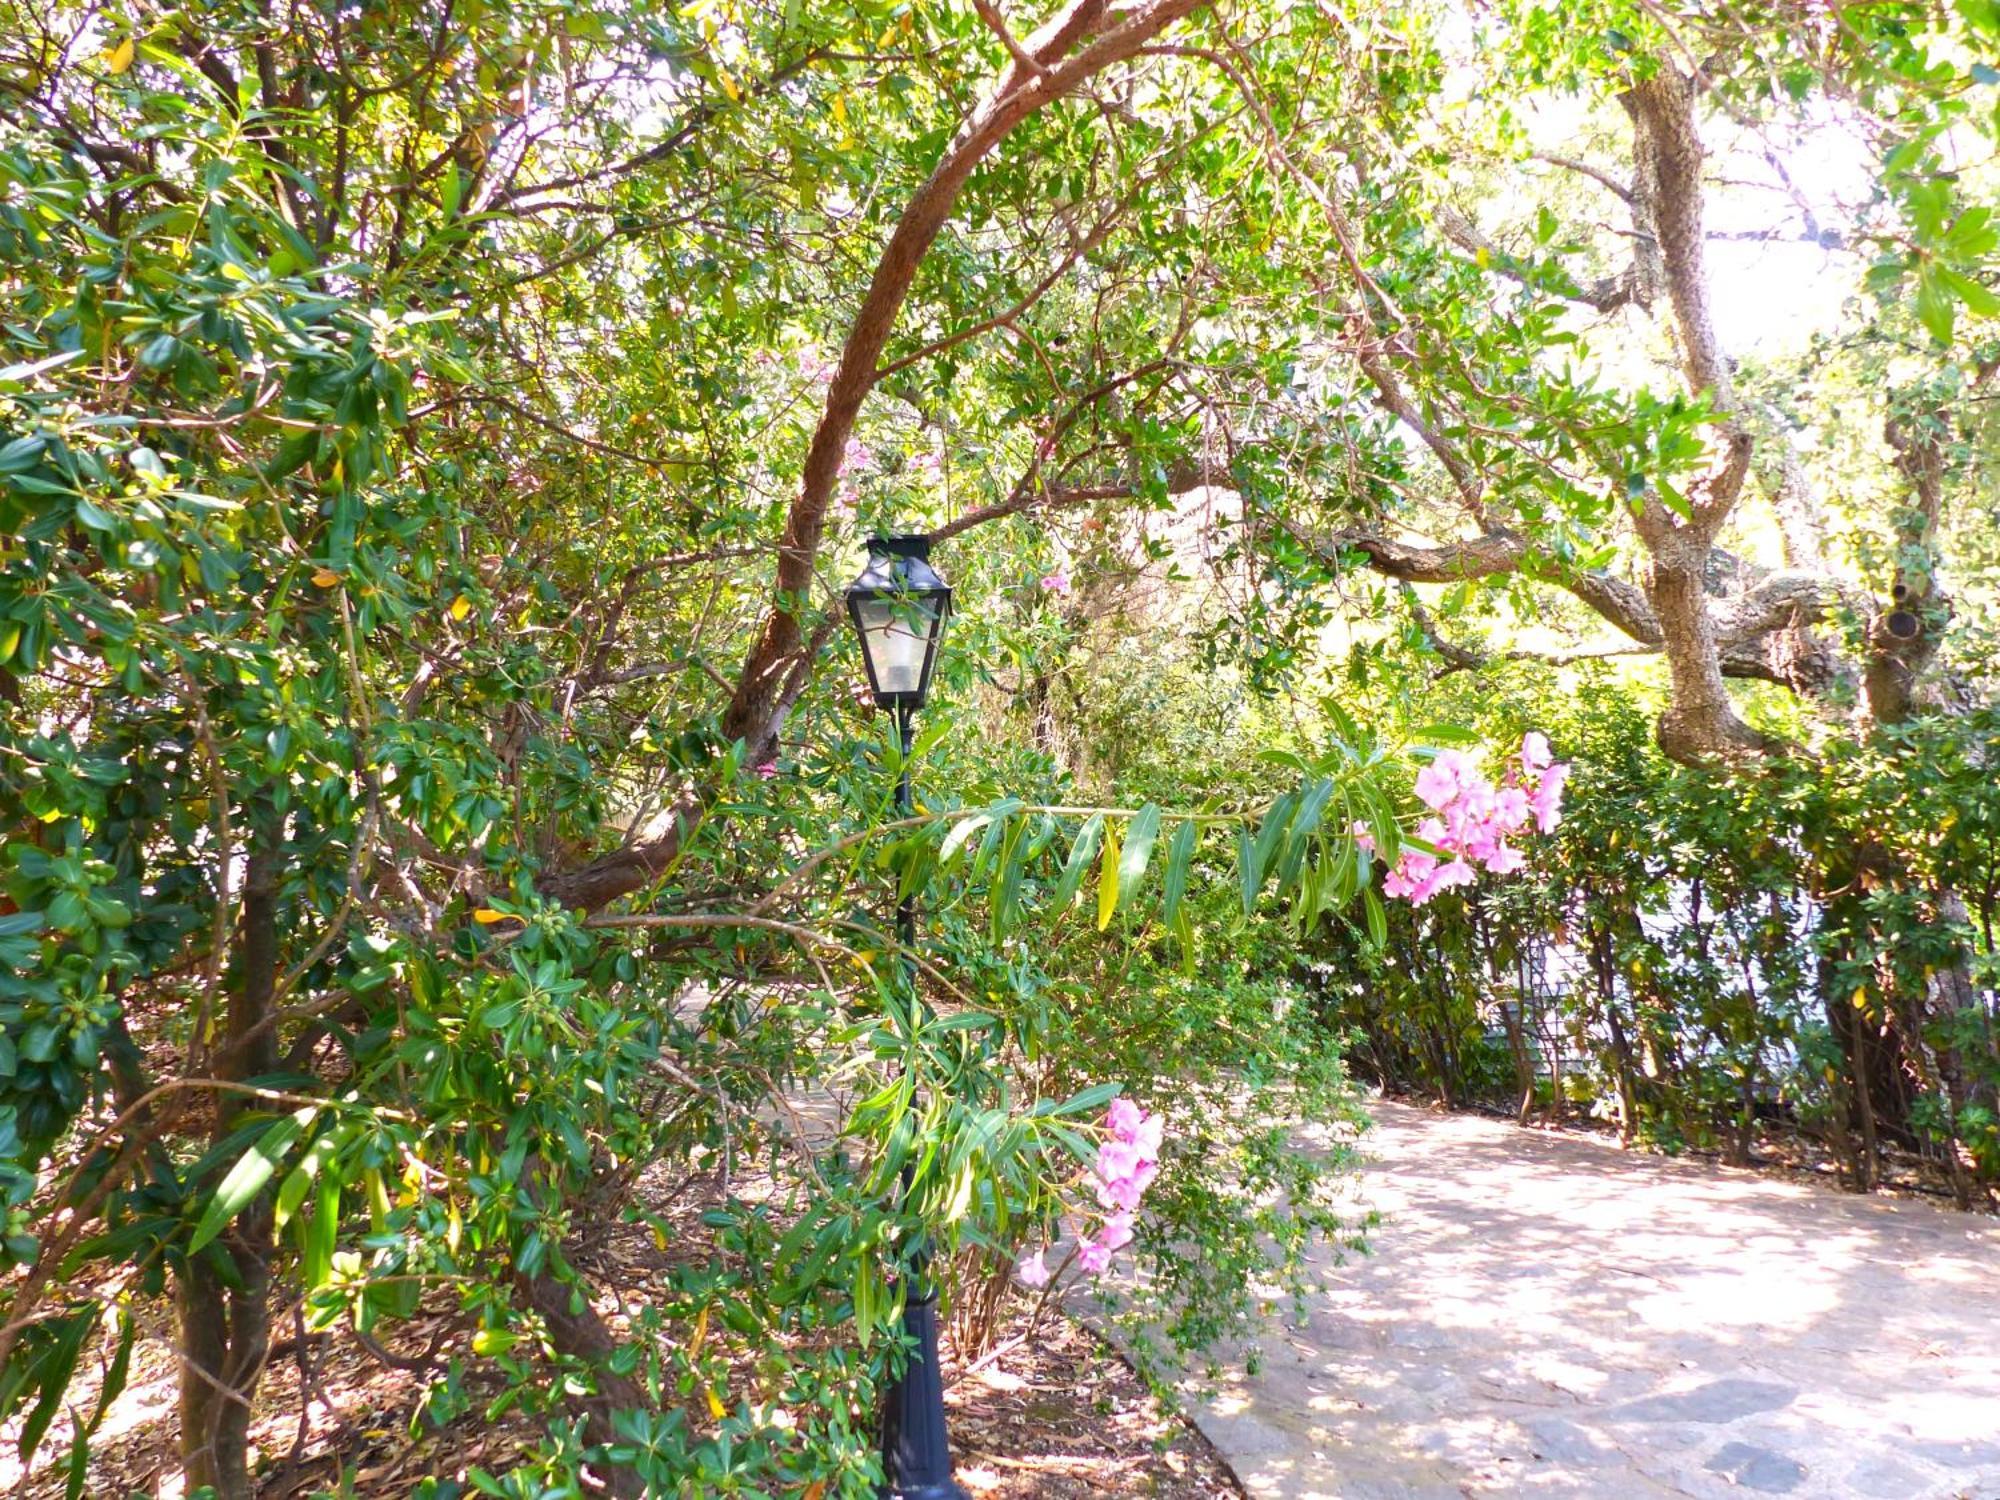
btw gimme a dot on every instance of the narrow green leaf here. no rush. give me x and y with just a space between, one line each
1007 879
1180 855
1088 1099
51 1373
1080 855
1138 852
965 1020
292 1191
1378 919
962 830
1259 861
253 1169
318 1234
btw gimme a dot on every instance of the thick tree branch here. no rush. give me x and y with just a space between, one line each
1606 294
1585 169
1021 92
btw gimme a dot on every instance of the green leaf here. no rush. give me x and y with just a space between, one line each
50 1373
1097 1095
317 1236
965 1020
962 830
1981 300
1138 852
253 1169
1451 734
292 1191
1378 919
1256 856
1080 855
1180 855
1935 309
1007 881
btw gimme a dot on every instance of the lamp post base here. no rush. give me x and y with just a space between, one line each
916 1456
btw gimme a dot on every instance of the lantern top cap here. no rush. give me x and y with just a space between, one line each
899 565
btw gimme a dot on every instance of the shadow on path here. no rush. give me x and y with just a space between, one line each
1548 1316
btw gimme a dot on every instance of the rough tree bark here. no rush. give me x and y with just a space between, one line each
1700 720
225 1329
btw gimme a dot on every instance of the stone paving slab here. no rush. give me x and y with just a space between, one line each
1547 1316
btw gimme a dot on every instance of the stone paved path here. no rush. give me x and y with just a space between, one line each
1547 1316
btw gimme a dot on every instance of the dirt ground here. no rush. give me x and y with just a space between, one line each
1056 1415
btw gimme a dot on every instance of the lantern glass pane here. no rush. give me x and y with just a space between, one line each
896 634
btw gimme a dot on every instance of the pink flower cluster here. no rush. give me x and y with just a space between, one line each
1127 1163
1056 582
1472 818
855 455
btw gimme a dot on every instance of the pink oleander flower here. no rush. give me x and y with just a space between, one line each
1128 1122
1056 582
1117 1231
1123 1119
1548 797
1363 839
1445 779
1034 1271
767 770
1472 819
1124 1172
1127 1162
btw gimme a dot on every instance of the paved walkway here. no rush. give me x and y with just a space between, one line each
1547 1316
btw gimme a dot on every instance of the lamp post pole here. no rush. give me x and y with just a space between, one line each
899 605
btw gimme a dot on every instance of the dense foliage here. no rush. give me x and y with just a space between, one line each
442 831
1698 959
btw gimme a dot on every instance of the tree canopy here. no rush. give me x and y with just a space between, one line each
437 802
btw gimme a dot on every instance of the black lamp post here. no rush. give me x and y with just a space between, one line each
899 605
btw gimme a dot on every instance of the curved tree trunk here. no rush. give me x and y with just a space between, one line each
225 1321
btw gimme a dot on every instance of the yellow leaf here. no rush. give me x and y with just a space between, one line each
1107 881
840 108
728 85
715 1407
326 578
486 916
818 1487
700 1331
461 607
1482 256
121 57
